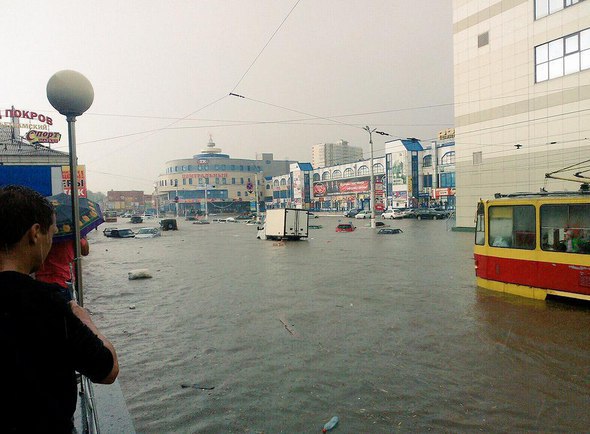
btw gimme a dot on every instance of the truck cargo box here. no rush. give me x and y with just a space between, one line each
285 224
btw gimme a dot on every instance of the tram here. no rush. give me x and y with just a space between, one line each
534 244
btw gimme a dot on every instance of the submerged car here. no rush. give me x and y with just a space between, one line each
118 233
345 227
148 233
136 219
398 213
363 215
389 231
430 214
351 212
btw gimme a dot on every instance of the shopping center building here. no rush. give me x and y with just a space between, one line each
230 184
522 97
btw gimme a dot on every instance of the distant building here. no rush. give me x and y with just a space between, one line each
522 96
331 154
229 183
130 200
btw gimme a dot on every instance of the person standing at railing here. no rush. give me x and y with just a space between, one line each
44 339
59 266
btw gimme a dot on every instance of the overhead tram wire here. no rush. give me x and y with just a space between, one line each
263 48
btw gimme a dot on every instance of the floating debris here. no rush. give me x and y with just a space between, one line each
196 386
330 424
141 273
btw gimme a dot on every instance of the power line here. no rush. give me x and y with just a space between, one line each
265 45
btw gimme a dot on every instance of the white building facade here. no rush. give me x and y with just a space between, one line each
522 96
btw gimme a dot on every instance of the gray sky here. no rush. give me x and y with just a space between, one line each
154 65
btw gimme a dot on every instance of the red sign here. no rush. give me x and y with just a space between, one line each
379 207
67 182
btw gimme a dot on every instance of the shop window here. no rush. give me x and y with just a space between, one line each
512 226
427 161
565 228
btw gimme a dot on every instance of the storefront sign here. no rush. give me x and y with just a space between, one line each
204 175
35 136
67 182
26 114
449 133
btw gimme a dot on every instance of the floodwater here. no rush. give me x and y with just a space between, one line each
388 332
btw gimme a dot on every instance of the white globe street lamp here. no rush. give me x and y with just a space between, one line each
71 94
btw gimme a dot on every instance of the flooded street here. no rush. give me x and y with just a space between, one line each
388 332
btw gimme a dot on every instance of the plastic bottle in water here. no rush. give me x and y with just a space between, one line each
330 424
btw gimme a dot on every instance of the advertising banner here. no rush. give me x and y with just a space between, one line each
67 182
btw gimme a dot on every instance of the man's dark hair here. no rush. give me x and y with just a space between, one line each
20 208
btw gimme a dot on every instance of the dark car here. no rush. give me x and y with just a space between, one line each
352 212
136 219
118 233
390 231
169 225
430 214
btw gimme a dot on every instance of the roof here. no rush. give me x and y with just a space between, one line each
18 146
412 144
306 167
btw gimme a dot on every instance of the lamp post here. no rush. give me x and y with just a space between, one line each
372 197
157 201
176 198
206 203
71 94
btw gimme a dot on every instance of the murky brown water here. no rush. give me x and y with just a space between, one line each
388 332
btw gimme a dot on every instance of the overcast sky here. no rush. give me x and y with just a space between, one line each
169 66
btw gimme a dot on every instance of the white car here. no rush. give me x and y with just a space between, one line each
148 233
394 214
363 215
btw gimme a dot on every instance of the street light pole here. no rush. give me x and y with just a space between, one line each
176 198
257 204
206 204
372 197
71 94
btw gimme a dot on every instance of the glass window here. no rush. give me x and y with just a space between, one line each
378 169
565 228
239 194
562 56
448 158
190 181
363 171
555 6
480 225
325 175
316 176
336 174
233 180
556 68
427 161
183 182
556 49
542 73
242 181
571 63
224 180
512 226
541 8
348 172
571 44
542 53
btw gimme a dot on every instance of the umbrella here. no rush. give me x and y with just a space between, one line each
90 215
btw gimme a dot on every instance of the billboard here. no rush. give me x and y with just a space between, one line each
67 182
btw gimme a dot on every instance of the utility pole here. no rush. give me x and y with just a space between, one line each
372 197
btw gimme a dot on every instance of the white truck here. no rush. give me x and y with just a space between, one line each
284 224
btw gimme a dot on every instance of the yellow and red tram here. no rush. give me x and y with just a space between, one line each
534 244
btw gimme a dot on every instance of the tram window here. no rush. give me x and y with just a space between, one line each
565 228
480 225
512 226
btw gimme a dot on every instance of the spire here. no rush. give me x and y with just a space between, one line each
211 149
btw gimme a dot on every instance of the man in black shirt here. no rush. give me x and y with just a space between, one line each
43 339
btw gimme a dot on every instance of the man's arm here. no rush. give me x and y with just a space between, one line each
83 315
